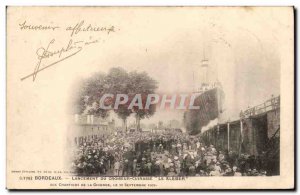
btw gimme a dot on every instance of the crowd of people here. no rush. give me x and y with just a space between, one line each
160 154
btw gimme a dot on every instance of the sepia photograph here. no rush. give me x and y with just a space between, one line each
122 127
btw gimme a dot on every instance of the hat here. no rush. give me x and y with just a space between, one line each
175 157
192 167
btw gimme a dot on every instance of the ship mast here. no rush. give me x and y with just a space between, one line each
201 84
204 67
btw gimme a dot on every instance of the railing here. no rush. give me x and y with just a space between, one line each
271 104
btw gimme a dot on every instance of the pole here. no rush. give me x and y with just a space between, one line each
241 137
241 122
228 133
218 132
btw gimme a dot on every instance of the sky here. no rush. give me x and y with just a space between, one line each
242 51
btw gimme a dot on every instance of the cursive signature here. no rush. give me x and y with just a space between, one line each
61 54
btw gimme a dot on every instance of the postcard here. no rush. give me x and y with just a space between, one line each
150 98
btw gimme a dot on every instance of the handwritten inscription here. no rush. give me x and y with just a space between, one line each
77 28
57 55
25 26
52 53
81 27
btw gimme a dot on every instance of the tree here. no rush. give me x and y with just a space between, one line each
117 83
141 83
87 95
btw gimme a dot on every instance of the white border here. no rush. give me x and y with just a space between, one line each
4 3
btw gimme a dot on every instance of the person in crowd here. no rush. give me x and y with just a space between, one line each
161 154
117 167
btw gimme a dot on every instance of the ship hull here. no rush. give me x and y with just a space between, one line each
210 103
